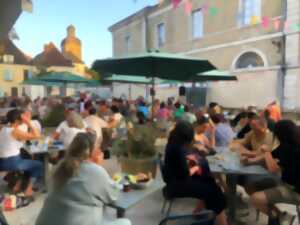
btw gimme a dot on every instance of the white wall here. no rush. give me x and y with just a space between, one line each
259 88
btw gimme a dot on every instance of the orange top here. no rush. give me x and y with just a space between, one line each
275 112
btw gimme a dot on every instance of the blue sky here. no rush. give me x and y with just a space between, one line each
91 18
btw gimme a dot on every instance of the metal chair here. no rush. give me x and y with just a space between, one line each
2 219
168 200
203 218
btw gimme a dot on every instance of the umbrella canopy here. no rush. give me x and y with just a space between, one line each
36 81
129 79
155 64
214 75
60 79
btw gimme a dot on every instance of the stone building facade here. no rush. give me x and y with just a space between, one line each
245 37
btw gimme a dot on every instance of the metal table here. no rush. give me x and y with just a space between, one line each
45 151
232 170
128 200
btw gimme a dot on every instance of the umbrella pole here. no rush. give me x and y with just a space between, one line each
153 97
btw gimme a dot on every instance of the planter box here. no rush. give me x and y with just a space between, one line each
135 166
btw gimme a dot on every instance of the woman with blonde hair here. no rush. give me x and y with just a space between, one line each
70 127
81 187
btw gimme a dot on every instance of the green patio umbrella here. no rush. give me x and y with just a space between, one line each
36 81
154 64
60 79
214 75
129 79
66 78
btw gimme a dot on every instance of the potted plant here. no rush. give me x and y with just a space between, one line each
137 153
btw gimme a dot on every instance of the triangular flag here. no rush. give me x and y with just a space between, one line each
277 23
265 22
188 6
175 3
213 11
254 20
296 26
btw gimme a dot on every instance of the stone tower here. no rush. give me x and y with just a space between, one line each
71 46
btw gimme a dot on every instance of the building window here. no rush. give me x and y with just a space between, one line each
127 44
161 35
9 59
249 60
27 74
250 9
8 75
197 24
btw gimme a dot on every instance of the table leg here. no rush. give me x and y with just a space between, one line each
46 171
232 184
120 213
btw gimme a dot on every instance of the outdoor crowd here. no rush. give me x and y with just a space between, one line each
81 186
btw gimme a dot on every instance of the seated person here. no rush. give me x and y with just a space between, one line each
204 139
244 124
284 160
214 108
188 116
271 123
184 176
68 129
224 133
11 141
258 140
81 187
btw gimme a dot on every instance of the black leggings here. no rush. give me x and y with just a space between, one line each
204 189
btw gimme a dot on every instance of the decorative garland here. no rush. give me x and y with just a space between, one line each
213 11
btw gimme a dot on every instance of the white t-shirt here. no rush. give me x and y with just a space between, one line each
67 134
97 124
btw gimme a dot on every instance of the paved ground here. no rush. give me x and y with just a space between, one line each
146 213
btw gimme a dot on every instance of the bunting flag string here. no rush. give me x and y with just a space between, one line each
265 21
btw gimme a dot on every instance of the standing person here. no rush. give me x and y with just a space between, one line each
81 187
186 177
12 139
143 108
95 123
284 161
178 111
